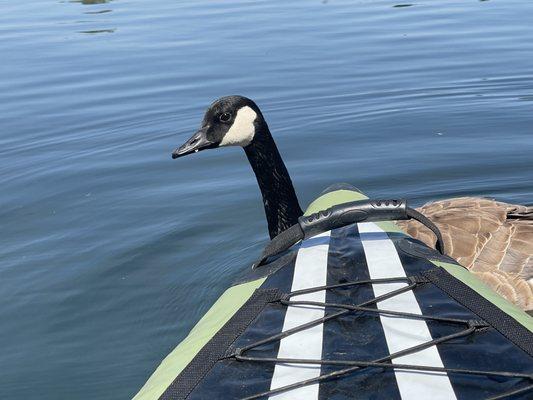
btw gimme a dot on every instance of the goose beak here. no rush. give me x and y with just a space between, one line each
196 143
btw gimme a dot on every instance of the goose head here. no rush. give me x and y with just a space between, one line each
229 121
237 121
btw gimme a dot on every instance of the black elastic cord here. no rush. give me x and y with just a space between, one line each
512 393
320 321
374 310
471 326
347 284
345 371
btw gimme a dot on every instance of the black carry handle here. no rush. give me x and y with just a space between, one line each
346 214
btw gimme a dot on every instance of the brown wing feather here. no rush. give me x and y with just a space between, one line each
492 239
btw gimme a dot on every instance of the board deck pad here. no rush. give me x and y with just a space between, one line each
360 312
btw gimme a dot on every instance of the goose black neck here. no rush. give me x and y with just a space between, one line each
279 198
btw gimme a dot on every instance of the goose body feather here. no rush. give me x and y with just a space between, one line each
494 240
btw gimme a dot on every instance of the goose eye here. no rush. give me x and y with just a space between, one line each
224 117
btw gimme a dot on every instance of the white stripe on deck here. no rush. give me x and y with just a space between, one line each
310 270
401 333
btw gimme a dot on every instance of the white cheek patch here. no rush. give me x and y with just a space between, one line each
242 130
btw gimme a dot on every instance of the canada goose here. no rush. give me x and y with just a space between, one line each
492 239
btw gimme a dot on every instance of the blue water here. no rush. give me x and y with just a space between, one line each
110 251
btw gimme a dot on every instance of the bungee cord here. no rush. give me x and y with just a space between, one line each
470 326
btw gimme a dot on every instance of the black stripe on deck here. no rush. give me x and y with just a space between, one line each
483 350
216 348
354 336
230 379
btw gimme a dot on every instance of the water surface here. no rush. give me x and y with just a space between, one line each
111 251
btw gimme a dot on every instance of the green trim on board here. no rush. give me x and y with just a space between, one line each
331 199
220 313
474 283
390 227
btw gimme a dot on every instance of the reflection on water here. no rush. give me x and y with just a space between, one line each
96 13
90 1
110 251
92 32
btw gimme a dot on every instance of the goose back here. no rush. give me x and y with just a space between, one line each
492 239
